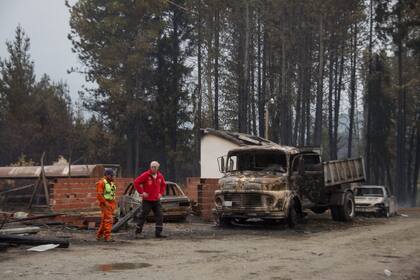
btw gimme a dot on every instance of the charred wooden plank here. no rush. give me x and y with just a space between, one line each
34 218
29 240
121 222
20 230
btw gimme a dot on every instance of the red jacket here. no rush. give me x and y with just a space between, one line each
153 186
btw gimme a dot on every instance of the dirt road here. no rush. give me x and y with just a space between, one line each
319 249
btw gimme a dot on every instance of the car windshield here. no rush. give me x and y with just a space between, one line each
369 192
257 161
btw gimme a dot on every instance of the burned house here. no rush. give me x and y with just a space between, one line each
28 187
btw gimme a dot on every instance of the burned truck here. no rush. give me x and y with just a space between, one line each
274 182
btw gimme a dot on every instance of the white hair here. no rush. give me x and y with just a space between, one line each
154 163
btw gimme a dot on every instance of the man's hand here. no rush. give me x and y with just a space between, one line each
145 195
159 196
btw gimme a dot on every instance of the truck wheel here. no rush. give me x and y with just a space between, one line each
345 212
292 215
223 221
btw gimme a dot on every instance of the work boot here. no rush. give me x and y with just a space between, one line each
138 233
100 238
138 230
160 235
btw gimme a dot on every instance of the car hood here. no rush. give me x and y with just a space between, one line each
174 199
164 199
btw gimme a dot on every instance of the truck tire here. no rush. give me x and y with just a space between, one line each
292 215
345 212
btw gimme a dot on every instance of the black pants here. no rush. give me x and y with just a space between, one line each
157 212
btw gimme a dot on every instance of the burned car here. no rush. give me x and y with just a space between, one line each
175 204
376 200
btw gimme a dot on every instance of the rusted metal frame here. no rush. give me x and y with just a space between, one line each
42 178
34 218
17 189
121 222
34 192
44 181
5 221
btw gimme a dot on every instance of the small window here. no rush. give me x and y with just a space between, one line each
172 190
312 162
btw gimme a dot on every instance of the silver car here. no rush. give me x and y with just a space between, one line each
375 199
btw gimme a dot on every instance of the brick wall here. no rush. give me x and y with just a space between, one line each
79 194
190 188
71 194
202 191
206 198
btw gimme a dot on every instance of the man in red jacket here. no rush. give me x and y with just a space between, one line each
151 186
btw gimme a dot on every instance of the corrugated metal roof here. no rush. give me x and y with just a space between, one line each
271 147
240 139
51 171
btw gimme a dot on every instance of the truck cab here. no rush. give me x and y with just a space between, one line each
277 182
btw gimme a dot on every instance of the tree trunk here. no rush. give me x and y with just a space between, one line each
337 100
411 147
400 162
200 99
244 84
416 161
330 102
282 96
319 94
216 67
367 102
137 149
260 80
352 93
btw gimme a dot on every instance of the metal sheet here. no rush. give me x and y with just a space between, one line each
51 171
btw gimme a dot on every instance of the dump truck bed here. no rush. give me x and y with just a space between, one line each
339 172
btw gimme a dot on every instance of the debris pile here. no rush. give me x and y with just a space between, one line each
14 231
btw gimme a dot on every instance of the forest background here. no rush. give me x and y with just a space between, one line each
343 75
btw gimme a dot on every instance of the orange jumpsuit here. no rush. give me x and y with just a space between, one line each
107 212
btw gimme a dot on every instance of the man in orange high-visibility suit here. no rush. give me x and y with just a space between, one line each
105 192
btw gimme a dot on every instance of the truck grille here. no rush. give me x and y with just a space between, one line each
244 199
363 204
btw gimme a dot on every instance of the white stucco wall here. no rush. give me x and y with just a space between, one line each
213 147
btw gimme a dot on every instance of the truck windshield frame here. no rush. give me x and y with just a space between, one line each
254 160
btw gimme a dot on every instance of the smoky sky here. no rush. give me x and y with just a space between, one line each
46 23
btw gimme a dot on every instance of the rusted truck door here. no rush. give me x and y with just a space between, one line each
307 174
